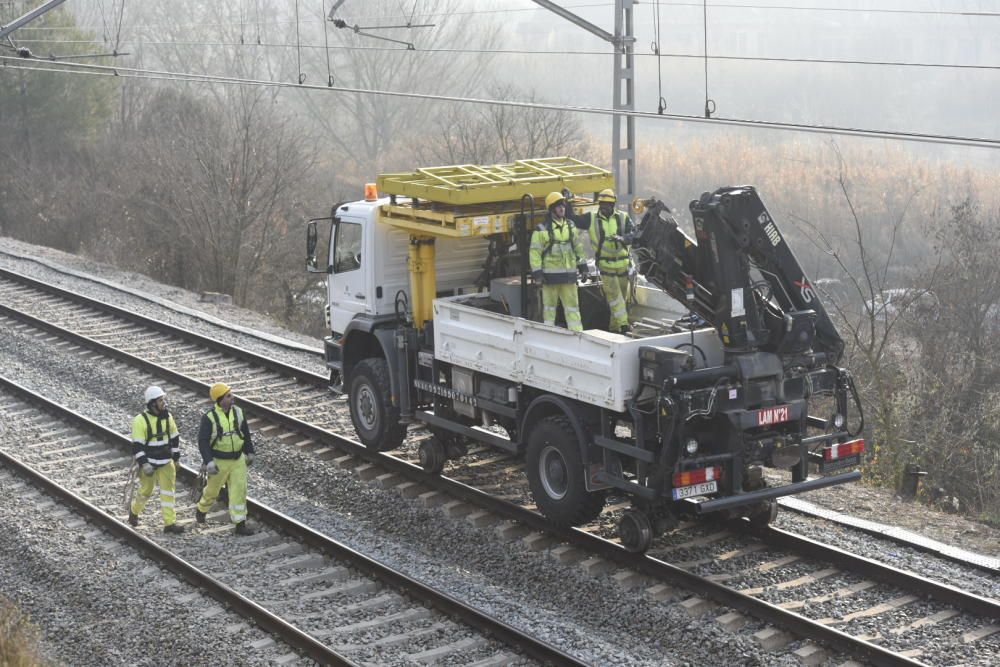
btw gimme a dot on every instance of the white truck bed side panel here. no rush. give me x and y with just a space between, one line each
594 366
477 339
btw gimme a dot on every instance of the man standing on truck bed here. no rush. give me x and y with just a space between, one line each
556 257
611 233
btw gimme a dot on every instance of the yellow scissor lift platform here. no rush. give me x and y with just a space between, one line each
471 201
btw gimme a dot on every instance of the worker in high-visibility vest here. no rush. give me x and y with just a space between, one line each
156 448
227 449
611 234
556 256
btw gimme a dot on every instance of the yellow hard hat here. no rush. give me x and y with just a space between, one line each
553 198
607 195
218 390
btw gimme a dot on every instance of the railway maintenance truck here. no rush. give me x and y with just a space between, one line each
729 366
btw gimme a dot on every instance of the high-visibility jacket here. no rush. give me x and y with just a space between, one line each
224 435
556 251
155 439
612 257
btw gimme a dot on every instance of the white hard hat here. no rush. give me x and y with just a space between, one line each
153 393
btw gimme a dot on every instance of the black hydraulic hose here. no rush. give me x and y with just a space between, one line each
857 403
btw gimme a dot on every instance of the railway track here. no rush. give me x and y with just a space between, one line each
327 601
805 589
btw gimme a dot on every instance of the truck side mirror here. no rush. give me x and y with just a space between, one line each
313 263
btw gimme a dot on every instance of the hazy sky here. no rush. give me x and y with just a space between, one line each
935 100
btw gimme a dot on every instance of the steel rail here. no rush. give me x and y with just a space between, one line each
954 597
644 564
443 602
244 606
301 374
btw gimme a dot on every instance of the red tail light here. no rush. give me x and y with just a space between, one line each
843 450
696 476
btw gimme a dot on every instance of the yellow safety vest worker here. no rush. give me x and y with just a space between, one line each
612 256
226 436
556 252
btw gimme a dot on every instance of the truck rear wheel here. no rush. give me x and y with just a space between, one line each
375 418
556 474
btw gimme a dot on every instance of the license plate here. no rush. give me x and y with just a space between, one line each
696 490
837 464
775 415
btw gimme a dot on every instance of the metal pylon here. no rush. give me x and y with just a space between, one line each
623 151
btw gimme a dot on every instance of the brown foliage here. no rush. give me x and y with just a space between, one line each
18 638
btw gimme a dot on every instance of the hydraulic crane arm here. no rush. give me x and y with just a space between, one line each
738 274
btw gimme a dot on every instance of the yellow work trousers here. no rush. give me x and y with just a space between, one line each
616 292
552 295
233 471
165 477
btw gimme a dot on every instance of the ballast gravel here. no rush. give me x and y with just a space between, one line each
99 604
590 617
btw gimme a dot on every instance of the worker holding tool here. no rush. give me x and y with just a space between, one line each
226 449
156 447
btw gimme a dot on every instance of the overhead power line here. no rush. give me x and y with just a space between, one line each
101 70
530 52
514 10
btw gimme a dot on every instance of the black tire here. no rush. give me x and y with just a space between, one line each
556 474
375 418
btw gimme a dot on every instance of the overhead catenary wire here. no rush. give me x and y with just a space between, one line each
73 68
512 10
531 52
118 33
298 44
657 49
326 39
709 104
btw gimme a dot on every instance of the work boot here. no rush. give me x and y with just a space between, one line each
626 329
199 516
133 519
174 529
243 529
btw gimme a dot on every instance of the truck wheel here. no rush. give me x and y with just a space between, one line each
635 531
375 418
556 474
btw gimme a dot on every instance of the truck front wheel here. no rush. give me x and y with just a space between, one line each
556 474
375 418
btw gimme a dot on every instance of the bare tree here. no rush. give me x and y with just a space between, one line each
876 350
224 181
489 134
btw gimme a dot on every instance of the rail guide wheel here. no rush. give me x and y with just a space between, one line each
433 455
764 513
635 531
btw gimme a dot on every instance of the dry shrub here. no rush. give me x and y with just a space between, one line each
18 638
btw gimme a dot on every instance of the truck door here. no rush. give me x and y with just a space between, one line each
348 284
